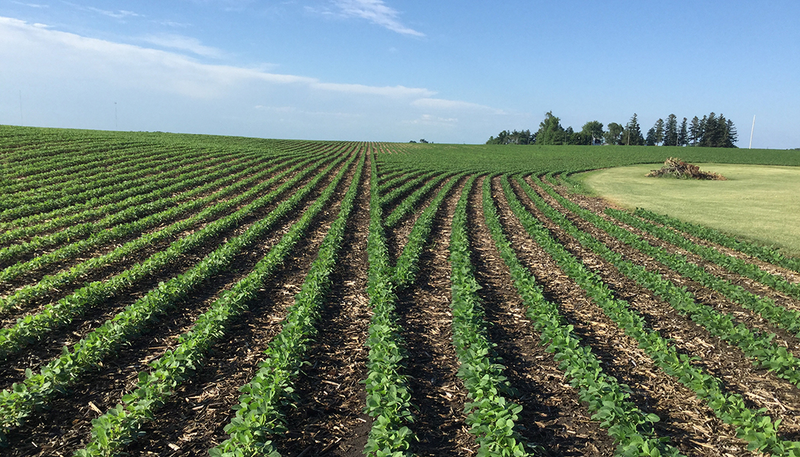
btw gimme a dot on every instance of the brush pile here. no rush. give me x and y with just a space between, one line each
677 168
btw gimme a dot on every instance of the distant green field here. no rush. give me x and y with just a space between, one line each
543 159
760 203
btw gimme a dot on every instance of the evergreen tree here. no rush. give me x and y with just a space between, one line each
671 131
633 133
683 134
650 140
733 136
702 130
712 134
659 130
695 131
717 132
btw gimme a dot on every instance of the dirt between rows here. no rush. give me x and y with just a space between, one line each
329 417
552 415
205 402
397 236
687 421
426 319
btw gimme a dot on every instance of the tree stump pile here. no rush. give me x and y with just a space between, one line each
677 168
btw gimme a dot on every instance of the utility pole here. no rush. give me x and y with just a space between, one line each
751 132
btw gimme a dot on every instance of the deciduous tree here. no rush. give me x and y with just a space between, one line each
592 131
550 130
614 133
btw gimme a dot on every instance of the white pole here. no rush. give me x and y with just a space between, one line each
751 132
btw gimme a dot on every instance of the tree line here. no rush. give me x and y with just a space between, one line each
709 131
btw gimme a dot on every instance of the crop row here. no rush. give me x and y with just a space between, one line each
388 399
132 208
730 263
761 252
118 427
24 398
760 431
97 291
81 188
607 399
112 189
491 415
113 228
261 408
200 181
93 208
56 175
758 346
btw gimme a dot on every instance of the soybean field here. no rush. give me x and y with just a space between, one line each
166 294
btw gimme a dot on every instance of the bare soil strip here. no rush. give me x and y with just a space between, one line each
329 418
728 363
46 434
552 414
689 423
425 316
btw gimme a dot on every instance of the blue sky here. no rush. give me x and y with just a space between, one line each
391 70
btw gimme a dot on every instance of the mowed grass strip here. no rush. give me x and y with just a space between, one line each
759 203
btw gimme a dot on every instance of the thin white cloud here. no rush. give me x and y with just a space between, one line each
428 119
227 5
183 43
297 111
32 5
118 14
157 70
178 25
375 11
67 80
388 91
454 105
